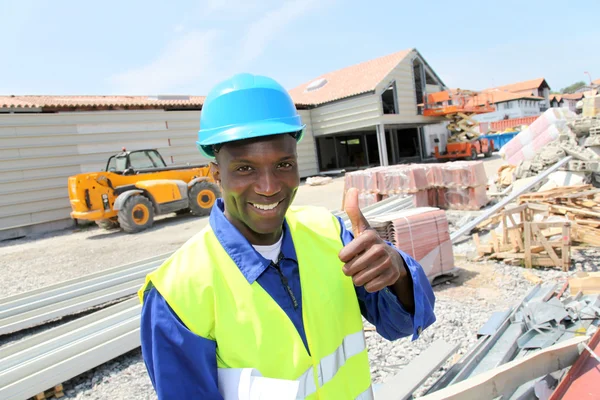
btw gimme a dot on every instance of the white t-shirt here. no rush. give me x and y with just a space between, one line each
270 252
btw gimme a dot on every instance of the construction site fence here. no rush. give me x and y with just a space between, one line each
499 126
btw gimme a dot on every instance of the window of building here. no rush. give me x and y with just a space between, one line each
389 100
419 83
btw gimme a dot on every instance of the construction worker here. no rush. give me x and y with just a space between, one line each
268 286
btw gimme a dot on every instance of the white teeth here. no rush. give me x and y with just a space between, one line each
265 207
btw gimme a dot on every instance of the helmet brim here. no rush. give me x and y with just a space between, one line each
236 133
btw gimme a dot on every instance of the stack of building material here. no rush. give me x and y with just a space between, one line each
546 129
459 185
456 185
423 234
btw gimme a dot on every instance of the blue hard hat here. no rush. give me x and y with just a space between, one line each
243 107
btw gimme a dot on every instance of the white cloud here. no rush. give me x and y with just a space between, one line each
266 28
194 61
183 61
229 6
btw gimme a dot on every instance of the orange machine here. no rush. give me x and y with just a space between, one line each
459 106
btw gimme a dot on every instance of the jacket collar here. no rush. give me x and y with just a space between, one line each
248 260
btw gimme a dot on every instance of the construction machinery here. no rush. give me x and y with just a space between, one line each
137 186
459 106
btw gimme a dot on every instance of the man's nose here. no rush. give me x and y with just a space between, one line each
268 184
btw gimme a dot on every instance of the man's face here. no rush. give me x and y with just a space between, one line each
259 178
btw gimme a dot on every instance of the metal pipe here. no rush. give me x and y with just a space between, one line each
467 228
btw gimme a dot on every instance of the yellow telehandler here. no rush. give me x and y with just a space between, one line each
137 186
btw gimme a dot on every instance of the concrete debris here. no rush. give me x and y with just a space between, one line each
318 180
544 130
578 137
565 178
581 126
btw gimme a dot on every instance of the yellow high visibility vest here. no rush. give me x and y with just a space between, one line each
207 291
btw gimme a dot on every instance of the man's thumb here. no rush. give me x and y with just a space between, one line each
357 219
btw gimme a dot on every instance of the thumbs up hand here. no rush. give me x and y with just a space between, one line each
368 259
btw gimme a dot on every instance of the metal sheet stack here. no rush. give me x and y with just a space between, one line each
456 185
423 234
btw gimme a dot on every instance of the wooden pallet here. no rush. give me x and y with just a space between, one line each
55 393
527 242
547 195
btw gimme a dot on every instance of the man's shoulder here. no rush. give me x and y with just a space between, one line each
192 251
314 217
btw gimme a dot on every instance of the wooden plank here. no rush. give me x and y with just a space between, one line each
551 253
505 379
517 240
585 282
403 385
566 248
565 209
527 235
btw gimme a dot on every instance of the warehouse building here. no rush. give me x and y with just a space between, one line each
360 116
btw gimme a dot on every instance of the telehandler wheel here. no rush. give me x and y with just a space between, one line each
202 197
136 215
488 153
108 224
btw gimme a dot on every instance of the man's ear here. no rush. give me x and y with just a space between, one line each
216 172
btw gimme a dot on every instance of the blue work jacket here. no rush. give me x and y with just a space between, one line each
183 365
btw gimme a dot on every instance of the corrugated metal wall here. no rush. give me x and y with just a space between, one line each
345 115
39 151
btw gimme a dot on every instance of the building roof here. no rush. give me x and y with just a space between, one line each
103 102
520 86
498 96
347 82
567 96
596 82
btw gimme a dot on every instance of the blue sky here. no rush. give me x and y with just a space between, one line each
185 47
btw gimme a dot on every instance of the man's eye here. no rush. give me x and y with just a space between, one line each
244 169
285 165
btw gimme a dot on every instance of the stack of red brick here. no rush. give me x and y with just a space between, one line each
459 185
422 233
456 185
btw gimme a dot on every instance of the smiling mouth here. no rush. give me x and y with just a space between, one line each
266 207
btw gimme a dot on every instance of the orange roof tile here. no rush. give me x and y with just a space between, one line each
497 96
572 96
596 82
349 81
99 101
520 86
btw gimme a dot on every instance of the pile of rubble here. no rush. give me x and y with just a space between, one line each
567 135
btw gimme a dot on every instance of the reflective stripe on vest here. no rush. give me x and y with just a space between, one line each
366 395
329 365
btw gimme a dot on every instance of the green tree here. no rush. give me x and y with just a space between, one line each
572 88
